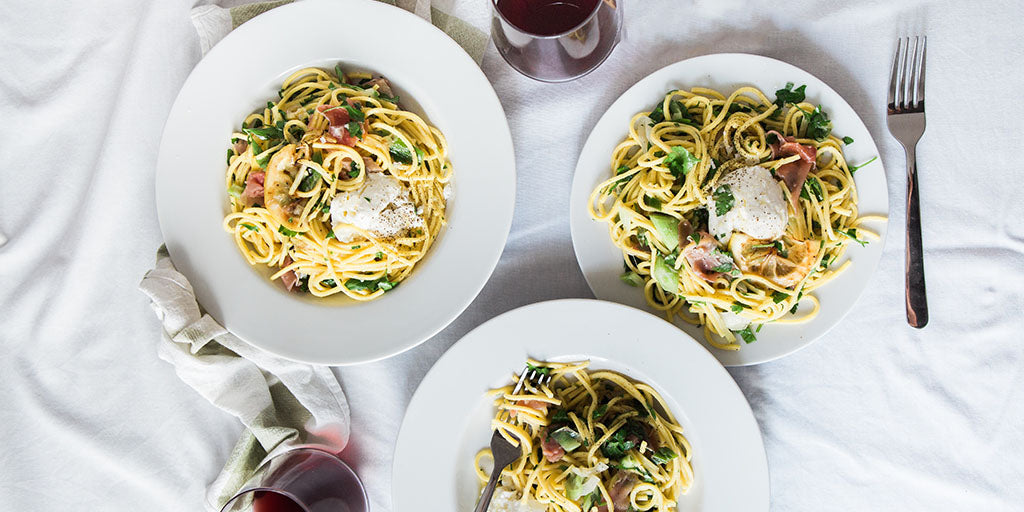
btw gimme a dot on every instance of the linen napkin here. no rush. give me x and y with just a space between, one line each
467 22
281 403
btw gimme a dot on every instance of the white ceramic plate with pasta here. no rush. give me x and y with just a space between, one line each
243 73
448 420
602 260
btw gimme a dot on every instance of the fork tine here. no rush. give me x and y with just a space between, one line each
920 74
894 75
901 92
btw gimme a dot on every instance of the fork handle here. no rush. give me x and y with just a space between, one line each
485 497
917 300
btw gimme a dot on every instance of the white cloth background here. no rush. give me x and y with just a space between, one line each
875 416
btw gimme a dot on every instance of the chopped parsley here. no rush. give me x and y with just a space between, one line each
599 411
353 170
330 283
330 234
618 445
777 245
308 182
354 113
778 297
723 199
286 232
379 256
847 140
652 202
680 161
737 307
265 132
250 227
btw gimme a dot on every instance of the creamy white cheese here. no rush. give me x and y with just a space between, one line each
381 206
759 208
505 500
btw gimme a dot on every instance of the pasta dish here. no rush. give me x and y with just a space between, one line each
592 440
731 210
335 187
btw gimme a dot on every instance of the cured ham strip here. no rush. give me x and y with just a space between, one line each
704 257
795 173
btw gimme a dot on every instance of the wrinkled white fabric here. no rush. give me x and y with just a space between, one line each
875 416
283 404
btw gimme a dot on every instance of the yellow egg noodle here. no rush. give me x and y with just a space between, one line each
668 171
307 163
615 441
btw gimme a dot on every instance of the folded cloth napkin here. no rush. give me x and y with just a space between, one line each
468 23
283 404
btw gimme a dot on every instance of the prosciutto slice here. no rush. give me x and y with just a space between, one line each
622 484
553 451
289 279
793 174
338 119
253 193
704 256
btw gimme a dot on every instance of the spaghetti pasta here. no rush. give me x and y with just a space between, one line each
299 168
589 438
673 172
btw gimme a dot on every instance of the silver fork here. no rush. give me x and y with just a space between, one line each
502 451
906 122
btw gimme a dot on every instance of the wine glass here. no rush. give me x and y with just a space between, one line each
301 480
556 40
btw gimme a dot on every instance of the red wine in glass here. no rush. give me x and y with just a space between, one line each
301 480
556 40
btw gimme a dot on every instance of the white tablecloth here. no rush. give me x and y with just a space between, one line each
875 416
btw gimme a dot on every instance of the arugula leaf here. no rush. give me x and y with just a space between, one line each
400 152
632 278
617 445
796 304
663 455
543 370
818 125
854 168
747 335
852 234
265 132
309 181
814 186
652 202
371 285
658 114
339 73
778 297
354 113
286 232
847 140
789 95
723 199
355 129
725 267
680 161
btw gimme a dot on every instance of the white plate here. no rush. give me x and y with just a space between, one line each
601 261
435 78
448 419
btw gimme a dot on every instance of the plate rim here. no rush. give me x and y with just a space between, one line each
453 54
575 214
730 389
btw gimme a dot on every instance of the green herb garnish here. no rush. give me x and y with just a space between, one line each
778 297
747 335
400 152
680 161
789 95
632 278
854 168
286 232
723 199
